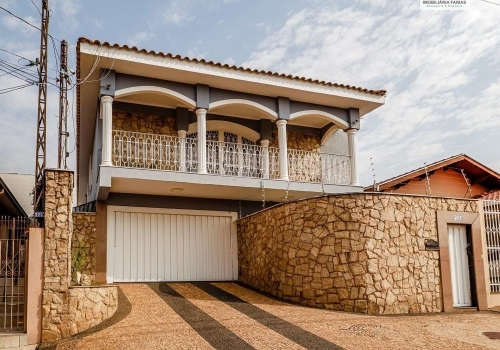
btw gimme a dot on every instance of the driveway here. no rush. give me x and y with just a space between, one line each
205 315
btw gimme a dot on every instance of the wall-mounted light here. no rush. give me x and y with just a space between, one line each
431 244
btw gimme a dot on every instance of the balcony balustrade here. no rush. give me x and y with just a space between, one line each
170 153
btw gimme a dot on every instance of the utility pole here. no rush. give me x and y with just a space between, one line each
41 140
63 108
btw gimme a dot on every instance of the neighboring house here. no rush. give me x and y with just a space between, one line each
458 177
21 186
174 149
493 195
9 205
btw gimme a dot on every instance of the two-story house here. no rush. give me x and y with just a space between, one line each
174 149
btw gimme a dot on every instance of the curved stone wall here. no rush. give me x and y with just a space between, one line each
359 252
89 306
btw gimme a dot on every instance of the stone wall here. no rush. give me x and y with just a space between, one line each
142 122
65 310
84 242
298 141
359 252
89 306
57 254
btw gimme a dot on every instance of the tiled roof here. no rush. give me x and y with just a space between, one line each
493 195
222 65
384 185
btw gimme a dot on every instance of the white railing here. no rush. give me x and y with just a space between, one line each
162 152
234 159
153 151
310 166
492 225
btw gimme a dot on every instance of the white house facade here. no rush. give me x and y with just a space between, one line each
175 149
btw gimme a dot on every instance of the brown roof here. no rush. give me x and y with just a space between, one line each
493 195
218 64
188 59
475 171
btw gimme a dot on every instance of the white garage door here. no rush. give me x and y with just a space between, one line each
147 244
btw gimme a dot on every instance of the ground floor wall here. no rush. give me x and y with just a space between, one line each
61 309
359 252
83 245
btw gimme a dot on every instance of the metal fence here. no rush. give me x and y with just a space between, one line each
13 239
89 207
492 223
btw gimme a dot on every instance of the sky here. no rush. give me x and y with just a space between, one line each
441 69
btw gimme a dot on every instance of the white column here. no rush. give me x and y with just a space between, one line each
351 142
107 130
202 140
182 154
283 149
265 158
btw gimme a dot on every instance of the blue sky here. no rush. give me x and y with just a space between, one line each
441 68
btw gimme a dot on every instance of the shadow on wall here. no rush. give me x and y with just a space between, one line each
358 252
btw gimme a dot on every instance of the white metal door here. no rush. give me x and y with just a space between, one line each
170 245
460 278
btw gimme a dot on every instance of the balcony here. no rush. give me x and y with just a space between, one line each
169 153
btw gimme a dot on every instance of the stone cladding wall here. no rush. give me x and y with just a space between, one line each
358 252
298 141
62 314
84 242
91 305
57 254
142 122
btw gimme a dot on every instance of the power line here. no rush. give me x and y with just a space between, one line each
37 8
14 88
18 73
28 23
26 59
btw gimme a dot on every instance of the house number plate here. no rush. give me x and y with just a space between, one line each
457 218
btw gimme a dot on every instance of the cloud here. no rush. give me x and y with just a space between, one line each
67 13
14 24
179 12
141 37
440 92
98 23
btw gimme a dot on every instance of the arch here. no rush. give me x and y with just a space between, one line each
322 114
267 112
329 133
186 101
223 125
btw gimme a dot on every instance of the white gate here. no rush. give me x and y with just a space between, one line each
147 244
460 279
492 224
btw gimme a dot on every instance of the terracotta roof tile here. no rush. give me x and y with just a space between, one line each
493 195
233 67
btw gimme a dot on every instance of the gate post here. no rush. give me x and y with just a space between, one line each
34 278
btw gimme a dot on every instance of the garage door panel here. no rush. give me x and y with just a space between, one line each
170 247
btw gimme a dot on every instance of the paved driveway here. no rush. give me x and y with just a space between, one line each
229 316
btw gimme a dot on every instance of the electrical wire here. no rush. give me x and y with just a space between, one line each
14 88
28 23
19 73
27 78
37 8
